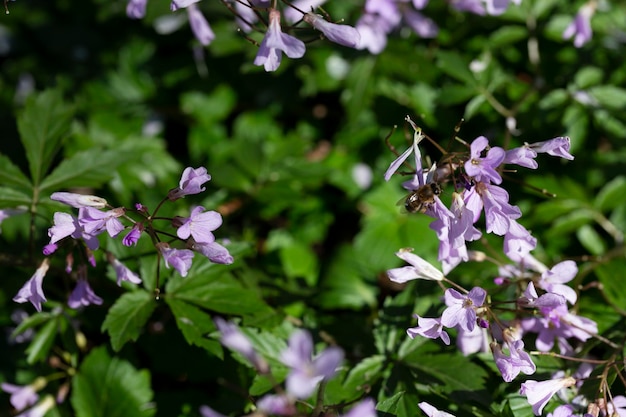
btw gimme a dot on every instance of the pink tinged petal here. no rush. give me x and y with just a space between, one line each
342 34
190 183
215 252
83 295
280 405
299 351
179 259
477 295
79 200
40 409
431 411
397 163
420 24
123 273
234 339
203 224
181 4
132 237
556 147
33 288
420 4
64 225
539 393
372 33
199 25
302 384
366 408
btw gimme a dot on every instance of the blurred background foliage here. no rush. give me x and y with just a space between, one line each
297 158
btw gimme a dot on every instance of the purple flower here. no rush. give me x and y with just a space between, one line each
431 411
518 242
136 9
387 10
275 43
180 259
181 4
79 200
273 404
430 328
419 269
497 7
122 272
294 14
83 295
215 252
522 156
556 147
23 396
539 393
32 291
472 6
373 31
199 25
484 169
342 34
462 308
306 372
234 339
580 28
366 408
40 409
190 183
517 361
498 211
199 225
420 24
472 342
133 236
565 410
617 406
206 411
64 226
94 221
554 279
547 301
414 149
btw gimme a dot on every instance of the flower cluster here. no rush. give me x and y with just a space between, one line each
542 307
95 217
306 372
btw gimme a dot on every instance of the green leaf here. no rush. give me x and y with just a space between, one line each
571 222
42 342
473 106
298 260
445 368
128 316
612 281
89 168
591 240
216 290
390 405
587 77
609 96
611 195
455 66
111 387
455 94
506 35
43 125
11 175
195 324
10 197
553 99
364 375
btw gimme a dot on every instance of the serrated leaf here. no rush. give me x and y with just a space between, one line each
111 387
43 125
89 168
445 369
364 375
194 324
11 175
128 316
42 342
390 405
611 195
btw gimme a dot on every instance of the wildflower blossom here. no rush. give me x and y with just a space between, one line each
556 147
419 269
234 339
430 328
307 372
133 236
366 408
136 9
83 295
199 225
554 279
180 259
190 183
32 290
94 221
40 409
517 361
79 200
539 393
342 34
206 411
215 252
273 404
23 396
580 28
275 43
484 169
431 411
461 308
199 25
122 272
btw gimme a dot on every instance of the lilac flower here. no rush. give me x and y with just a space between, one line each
414 149
556 147
306 372
23 396
517 361
580 28
547 301
32 290
342 34
122 272
498 211
518 242
419 269
180 259
483 169
64 226
136 9
234 339
431 411
245 16
554 279
215 252
386 9
83 295
199 225
190 183
420 24
273 404
133 236
294 14
522 156
497 7
275 43
617 406
539 393
50 248
366 408
472 342
373 31
472 6
565 410
199 25
79 200
430 328
40 409
94 221
462 308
